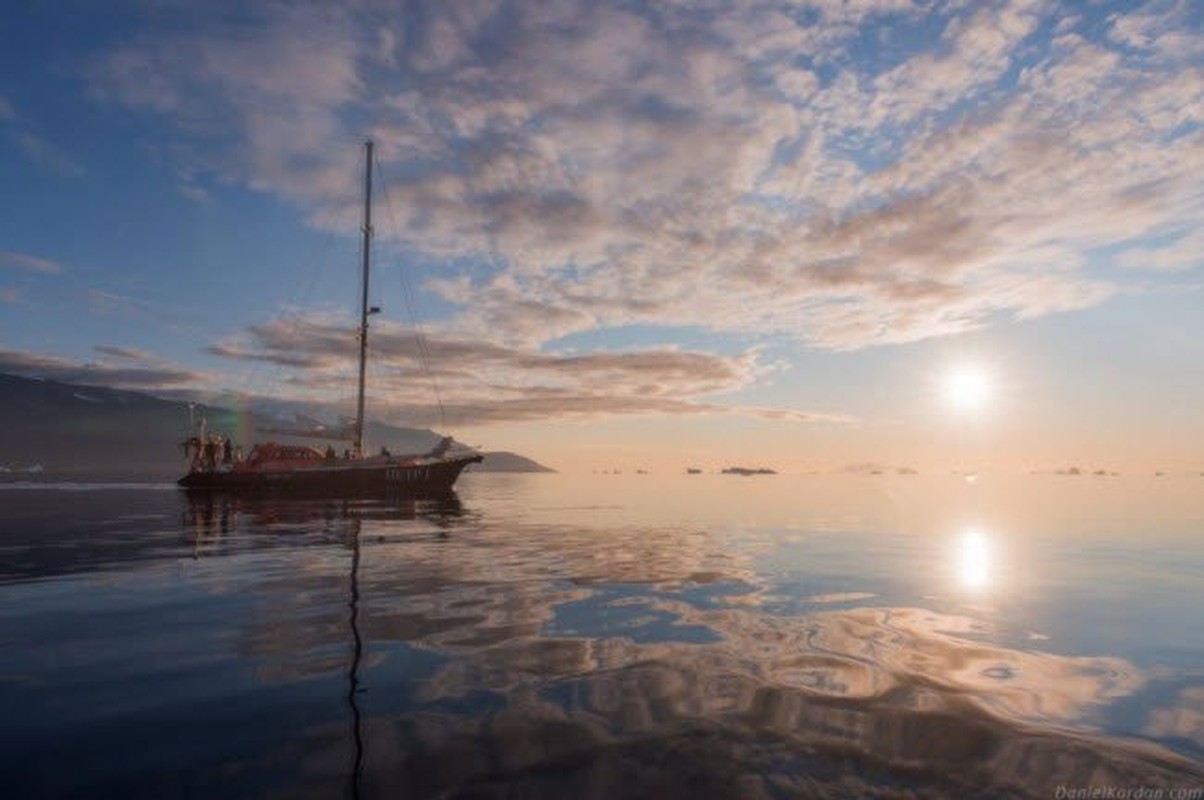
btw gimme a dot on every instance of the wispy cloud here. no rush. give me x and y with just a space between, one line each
161 376
49 155
28 263
123 353
36 146
1184 252
266 89
10 295
104 302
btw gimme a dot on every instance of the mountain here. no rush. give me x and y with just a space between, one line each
505 461
96 433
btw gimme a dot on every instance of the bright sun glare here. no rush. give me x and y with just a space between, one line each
974 560
968 388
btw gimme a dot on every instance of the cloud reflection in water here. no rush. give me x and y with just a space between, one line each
816 703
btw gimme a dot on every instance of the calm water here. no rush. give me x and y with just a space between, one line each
608 636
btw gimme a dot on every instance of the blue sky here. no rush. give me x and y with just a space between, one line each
633 233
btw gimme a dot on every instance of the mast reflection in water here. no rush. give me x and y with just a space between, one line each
550 638
353 671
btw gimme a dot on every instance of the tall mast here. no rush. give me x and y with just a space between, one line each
366 248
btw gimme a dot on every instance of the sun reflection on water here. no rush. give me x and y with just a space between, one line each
975 560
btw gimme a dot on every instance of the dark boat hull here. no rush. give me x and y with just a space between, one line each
434 479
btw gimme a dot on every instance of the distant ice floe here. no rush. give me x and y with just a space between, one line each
839 597
32 469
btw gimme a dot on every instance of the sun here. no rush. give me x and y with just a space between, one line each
968 388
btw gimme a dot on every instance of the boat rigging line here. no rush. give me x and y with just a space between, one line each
424 356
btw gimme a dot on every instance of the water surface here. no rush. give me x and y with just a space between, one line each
607 636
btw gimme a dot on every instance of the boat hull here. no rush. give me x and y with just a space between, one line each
433 479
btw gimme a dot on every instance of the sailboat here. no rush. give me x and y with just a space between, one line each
307 470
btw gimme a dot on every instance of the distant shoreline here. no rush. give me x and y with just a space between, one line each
506 466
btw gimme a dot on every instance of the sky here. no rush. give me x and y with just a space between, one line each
621 235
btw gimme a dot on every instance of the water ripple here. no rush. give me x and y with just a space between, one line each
543 649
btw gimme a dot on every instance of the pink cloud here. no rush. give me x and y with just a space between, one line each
29 263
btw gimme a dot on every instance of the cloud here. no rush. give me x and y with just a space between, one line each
123 353
481 382
49 155
1185 252
57 368
978 49
745 169
35 146
1160 31
29 263
10 295
263 88
105 303
197 194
